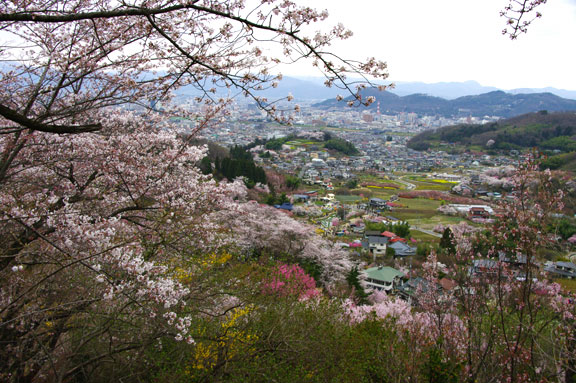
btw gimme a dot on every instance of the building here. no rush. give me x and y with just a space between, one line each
383 278
402 249
378 204
561 270
375 244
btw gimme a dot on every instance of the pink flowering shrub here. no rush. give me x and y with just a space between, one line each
291 281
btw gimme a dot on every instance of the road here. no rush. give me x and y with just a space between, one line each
409 186
430 232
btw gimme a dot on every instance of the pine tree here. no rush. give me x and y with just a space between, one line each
447 242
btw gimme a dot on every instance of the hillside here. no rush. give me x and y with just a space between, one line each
547 131
497 103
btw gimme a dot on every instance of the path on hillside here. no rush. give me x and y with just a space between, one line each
429 232
409 186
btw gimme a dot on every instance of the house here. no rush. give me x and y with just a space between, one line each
329 197
485 267
402 249
410 290
358 229
515 261
561 270
312 194
372 233
478 212
300 197
383 278
375 244
378 204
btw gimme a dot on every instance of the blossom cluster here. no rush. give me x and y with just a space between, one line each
291 280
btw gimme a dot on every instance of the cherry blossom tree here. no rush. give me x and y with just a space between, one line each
519 14
503 320
260 228
512 313
105 221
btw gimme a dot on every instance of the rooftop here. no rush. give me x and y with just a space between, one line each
383 273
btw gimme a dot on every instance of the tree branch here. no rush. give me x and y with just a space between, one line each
65 18
26 122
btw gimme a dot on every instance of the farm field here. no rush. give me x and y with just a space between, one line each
567 284
348 198
424 183
419 212
422 212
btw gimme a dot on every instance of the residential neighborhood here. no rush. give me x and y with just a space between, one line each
383 183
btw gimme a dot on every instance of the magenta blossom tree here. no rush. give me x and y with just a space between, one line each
291 280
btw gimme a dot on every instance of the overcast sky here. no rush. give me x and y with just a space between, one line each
458 40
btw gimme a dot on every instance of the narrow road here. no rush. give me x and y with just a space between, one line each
429 232
409 186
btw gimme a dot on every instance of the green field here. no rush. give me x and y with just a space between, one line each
424 183
348 198
419 212
378 193
432 186
567 284
427 221
299 142
333 129
423 237
422 212
401 134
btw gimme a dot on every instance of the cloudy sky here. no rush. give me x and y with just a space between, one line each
458 40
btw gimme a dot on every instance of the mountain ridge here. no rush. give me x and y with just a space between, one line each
313 89
496 103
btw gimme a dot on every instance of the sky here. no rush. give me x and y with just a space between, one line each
456 40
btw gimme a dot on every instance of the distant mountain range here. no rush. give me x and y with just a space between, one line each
452 90
313 89
496 103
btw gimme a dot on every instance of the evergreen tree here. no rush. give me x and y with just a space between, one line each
447 242
353 279
283 199
205 165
